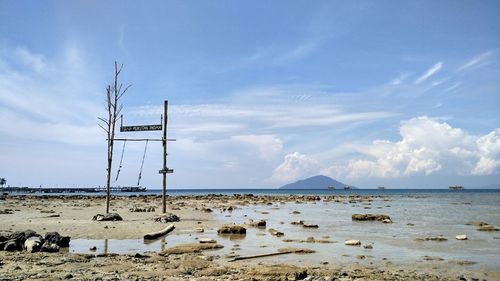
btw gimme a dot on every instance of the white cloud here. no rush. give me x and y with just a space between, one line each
268 146
263 111
426 147
50 102
294 166
489 154
477 61
431 71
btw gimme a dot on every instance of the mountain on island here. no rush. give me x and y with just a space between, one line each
316 182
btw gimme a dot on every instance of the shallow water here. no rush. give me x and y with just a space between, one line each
444 214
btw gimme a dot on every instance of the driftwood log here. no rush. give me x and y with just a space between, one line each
160 233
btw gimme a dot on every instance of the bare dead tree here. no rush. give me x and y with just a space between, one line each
114 93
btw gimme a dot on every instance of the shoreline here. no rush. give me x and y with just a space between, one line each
74 219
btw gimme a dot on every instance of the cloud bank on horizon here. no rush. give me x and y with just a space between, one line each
367 94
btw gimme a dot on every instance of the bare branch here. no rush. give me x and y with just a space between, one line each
105 130
103 120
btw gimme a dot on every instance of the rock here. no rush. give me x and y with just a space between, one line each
275 232
487 227
310 225
93 249
352 242
461 237
56 238
261 223
371 217
207 240
6 212
432 238
199 229
33 244
368 246
12 245
207 210
167 218
49 247
142 210
299 222
232 229
68 276
190 248
107 217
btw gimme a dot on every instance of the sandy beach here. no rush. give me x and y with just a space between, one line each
119 253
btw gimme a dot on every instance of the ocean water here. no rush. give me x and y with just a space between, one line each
415 213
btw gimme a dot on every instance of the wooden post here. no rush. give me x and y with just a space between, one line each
165 117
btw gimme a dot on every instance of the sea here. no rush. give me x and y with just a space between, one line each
416 213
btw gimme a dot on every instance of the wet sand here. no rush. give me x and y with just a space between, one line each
71 215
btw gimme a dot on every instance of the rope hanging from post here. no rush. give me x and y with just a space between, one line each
142 164
121 160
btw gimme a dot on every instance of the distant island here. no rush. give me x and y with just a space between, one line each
317 182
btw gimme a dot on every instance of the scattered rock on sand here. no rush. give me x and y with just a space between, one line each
260 223
461 237
142 210
207 240
432 238
275 232
49 247
199 230
352 243
167 218
310 225
107 217
56 238
6 212
371 217
33 244
232 229
12 245
299 222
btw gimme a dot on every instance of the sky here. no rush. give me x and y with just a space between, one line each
401 94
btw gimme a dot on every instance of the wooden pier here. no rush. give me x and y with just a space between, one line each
63 189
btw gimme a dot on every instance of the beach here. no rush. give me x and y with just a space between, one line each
311 229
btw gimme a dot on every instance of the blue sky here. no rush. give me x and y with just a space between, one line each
393 93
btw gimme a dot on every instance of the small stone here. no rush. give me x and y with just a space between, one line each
93 249
207 240
368 246
68 276
461 237
199 230
352 242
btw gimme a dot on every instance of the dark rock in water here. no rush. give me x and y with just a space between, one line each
370 217
260 224
107 217
3 238
6 212
232 229
56 238
12 245
167 218
49 247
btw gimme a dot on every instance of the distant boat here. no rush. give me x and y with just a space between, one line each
132 189
331 187
347 187
456 187
381 187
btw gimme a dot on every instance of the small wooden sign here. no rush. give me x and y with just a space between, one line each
168 171
138 128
